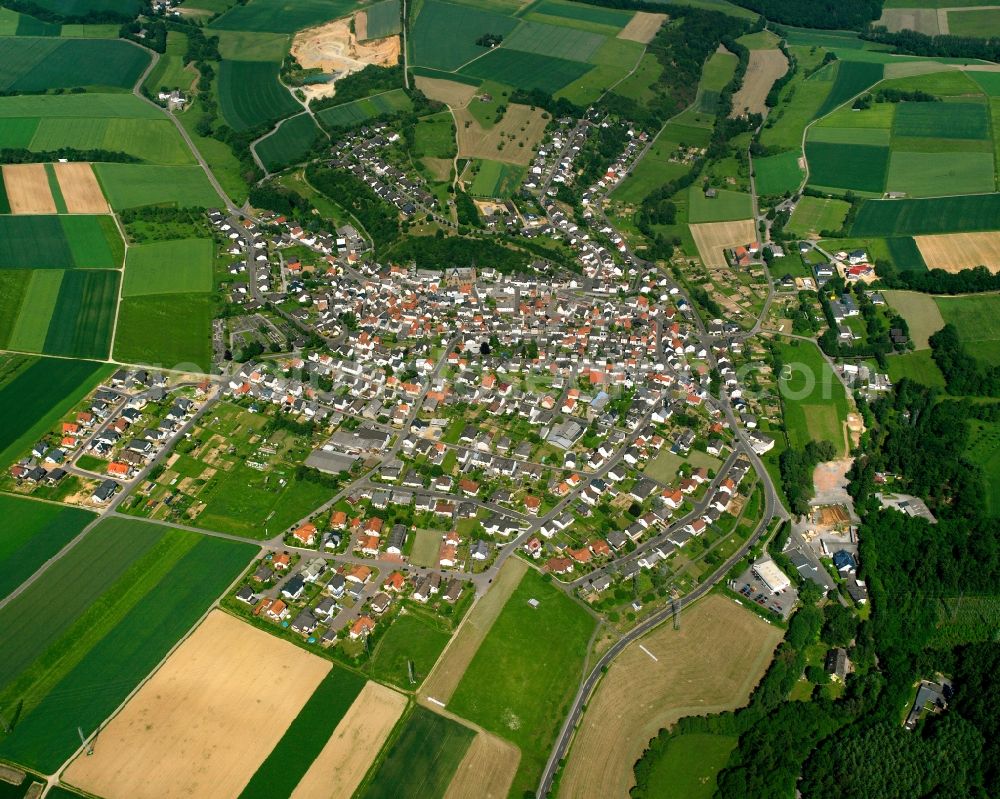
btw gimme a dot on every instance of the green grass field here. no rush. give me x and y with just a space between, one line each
170 72
305 737
777 174
52 106
977 318
985 451
935 174
814 214
725 207
290 143
84 7
690 765
529 653
605 20
169 267
247 502
34 532
718 71
915 217
282 16
846 166
253 45
639 86
358 112
55 386
151 140
554 40
526 70
169 330
39 64
59 242
650 173
426 544
13 288
918 366
434 137
136 185
496 179
981 23
942 120
813 398
383 19
800 100
904 254
853 77
422 760
250 94
410 638
125 632
84 315
443 35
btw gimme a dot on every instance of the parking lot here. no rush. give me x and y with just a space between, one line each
754 590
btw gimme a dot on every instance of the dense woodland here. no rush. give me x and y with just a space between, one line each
963 374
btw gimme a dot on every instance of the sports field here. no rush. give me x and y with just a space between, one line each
346 757
137 589
938 215
813 398
815 214
777 174
135 185
290 143
528 653
250 94
59 242
38 64
170 330
355 113
222 675
711 664
282 16
169 267
55 385
443 35
977 318
34 532
422 760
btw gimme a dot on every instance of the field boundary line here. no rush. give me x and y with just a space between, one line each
214 606
121 286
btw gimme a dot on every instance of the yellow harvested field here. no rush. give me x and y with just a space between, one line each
204 722
486 771
342 764
28 189
80 188
713 238
711 664
447 673
954 252
520 125
921 313
764 68
642 27
449 92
